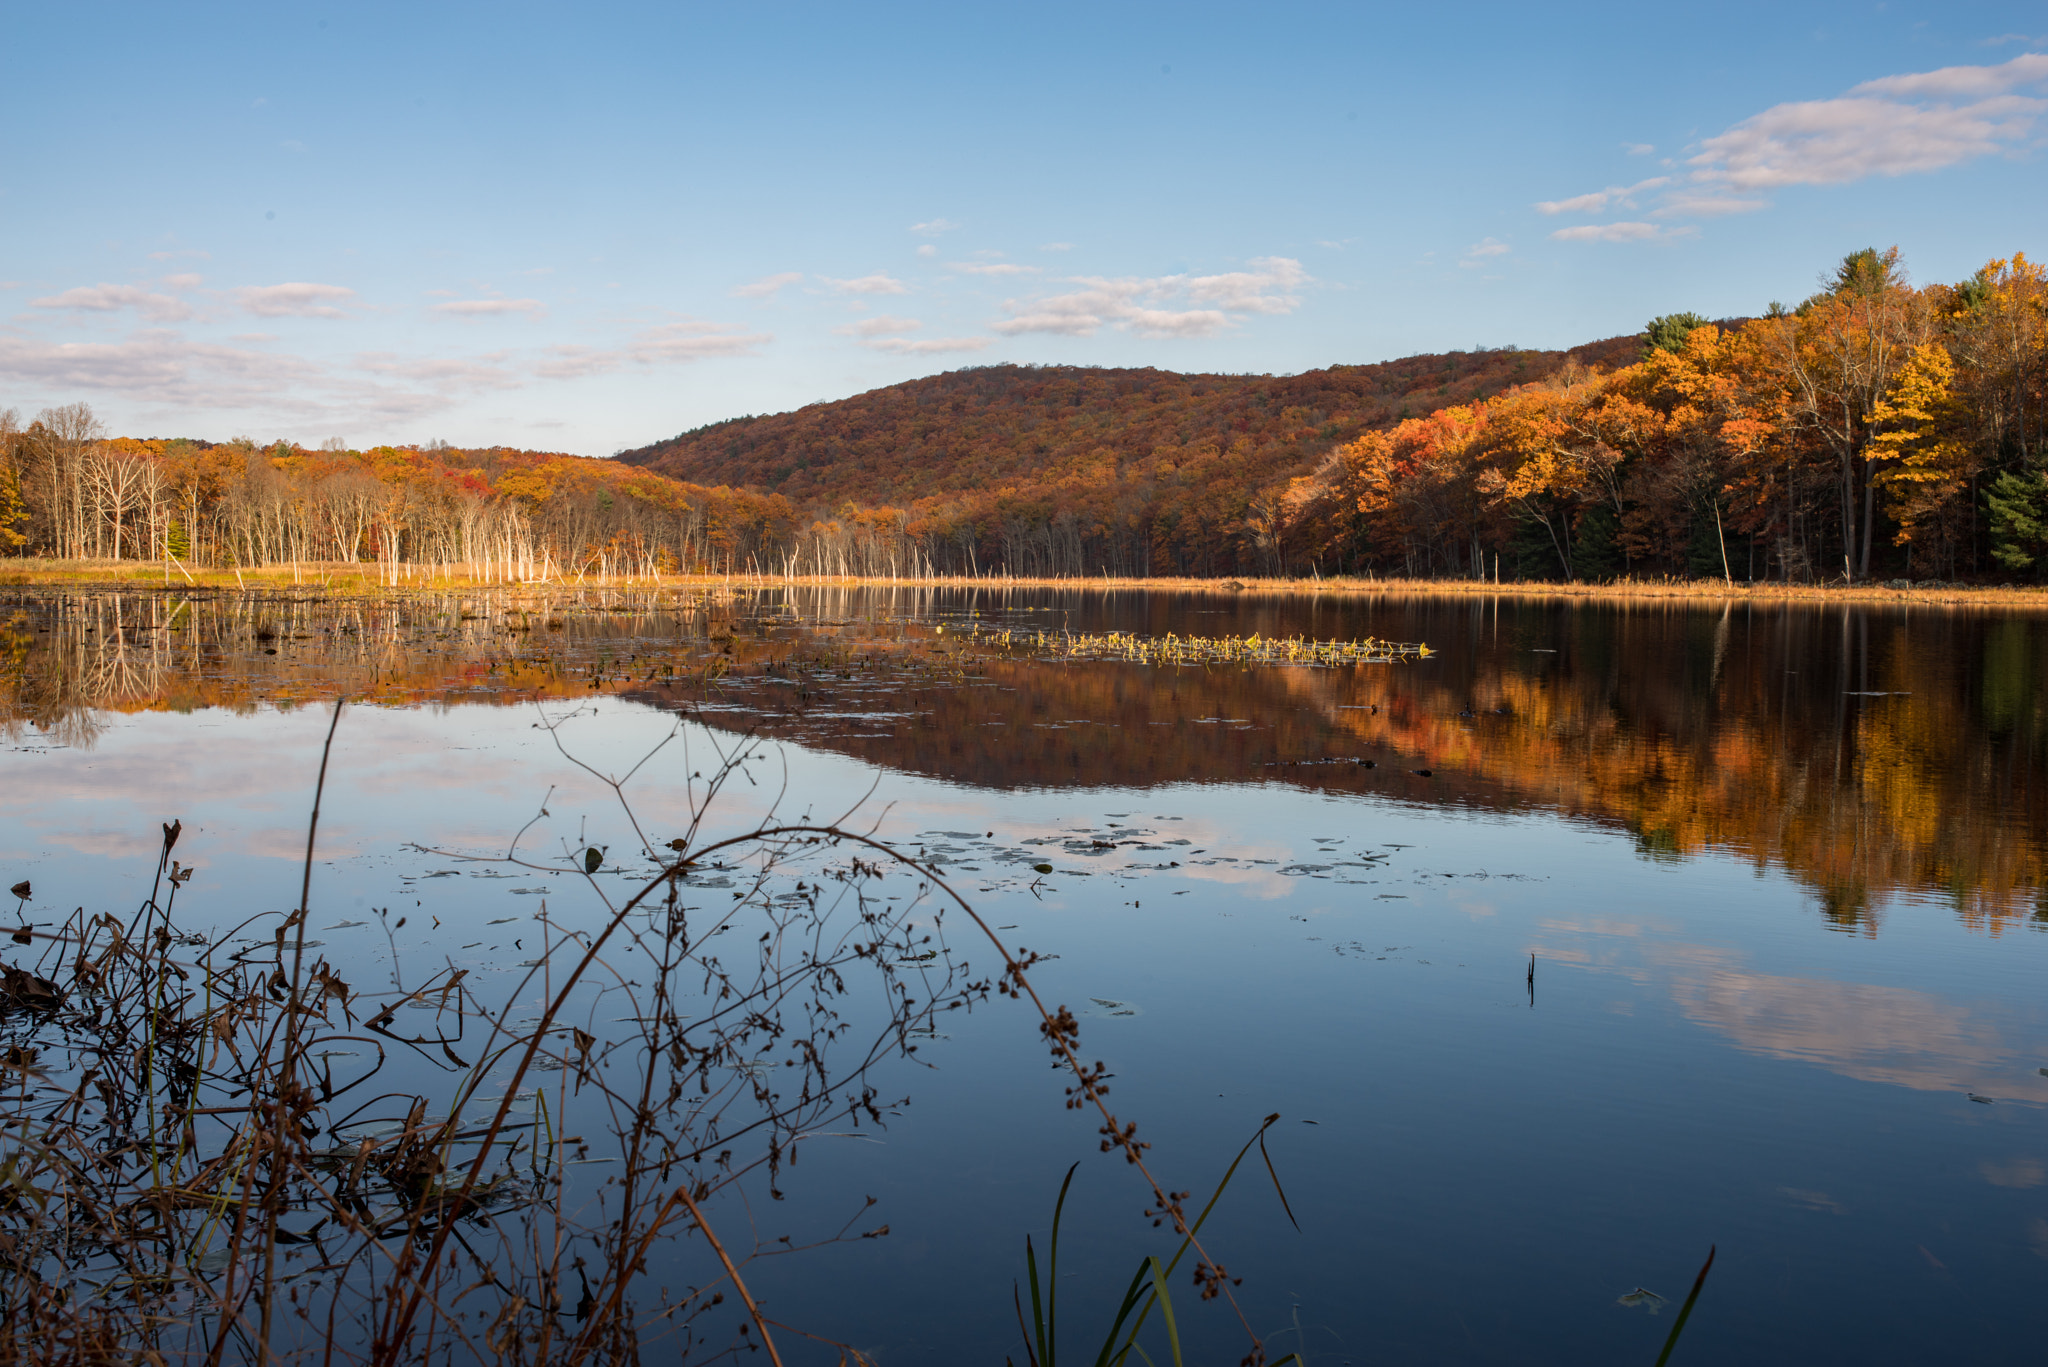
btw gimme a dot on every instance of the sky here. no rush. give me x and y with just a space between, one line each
587 227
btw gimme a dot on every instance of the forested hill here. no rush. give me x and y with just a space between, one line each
1030 430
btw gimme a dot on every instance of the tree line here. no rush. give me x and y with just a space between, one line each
1877 429
69 490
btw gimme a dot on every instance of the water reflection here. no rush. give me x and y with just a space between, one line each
1898 1036
1874 753
1248 919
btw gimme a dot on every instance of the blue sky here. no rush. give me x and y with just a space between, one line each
586 227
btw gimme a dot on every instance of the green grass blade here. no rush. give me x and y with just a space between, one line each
1165 1302
1217 1195
1278 1190
1037 1307
1686 1311
1196 1228
1049 1331
1136 1292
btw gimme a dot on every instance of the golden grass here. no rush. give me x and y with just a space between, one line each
347 578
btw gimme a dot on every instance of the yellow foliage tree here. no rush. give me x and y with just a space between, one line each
1922 458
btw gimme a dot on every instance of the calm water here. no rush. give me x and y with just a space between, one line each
1781 869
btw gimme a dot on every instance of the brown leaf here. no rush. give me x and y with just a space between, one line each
21 890
29 990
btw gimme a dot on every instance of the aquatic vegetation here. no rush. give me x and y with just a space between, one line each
1175 649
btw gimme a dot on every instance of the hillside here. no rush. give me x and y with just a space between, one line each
1031 429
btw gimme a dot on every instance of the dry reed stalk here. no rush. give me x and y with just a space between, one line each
171 1185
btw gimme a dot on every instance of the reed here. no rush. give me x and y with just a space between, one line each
365 577
215 1148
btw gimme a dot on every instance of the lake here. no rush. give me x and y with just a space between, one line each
1779 868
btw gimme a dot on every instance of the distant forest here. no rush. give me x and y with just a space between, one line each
1877 429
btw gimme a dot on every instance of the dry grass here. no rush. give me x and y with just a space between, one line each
351 579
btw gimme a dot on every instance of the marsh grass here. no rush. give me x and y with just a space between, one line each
215 1148
356 579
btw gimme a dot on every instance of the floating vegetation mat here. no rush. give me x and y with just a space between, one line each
1172 649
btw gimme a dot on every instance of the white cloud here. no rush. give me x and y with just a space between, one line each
1892 126
1614 196
1131 304
1620 232
1577 204
171 378
1964 82
669 344
694 341
934 227
158 308
296 298
490 308
990 268
1480 252
1250 291
569 362
184 281
878 283
1172 323
1706 204
165 369
1638 149
926 251
1066 315
879 326
1834 142
447 373
767 286
904 346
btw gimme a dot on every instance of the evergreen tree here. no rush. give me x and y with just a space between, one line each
2018 507
1668 332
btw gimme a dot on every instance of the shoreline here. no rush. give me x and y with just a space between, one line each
356 579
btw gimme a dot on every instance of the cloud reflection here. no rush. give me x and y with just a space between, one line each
1898 1036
